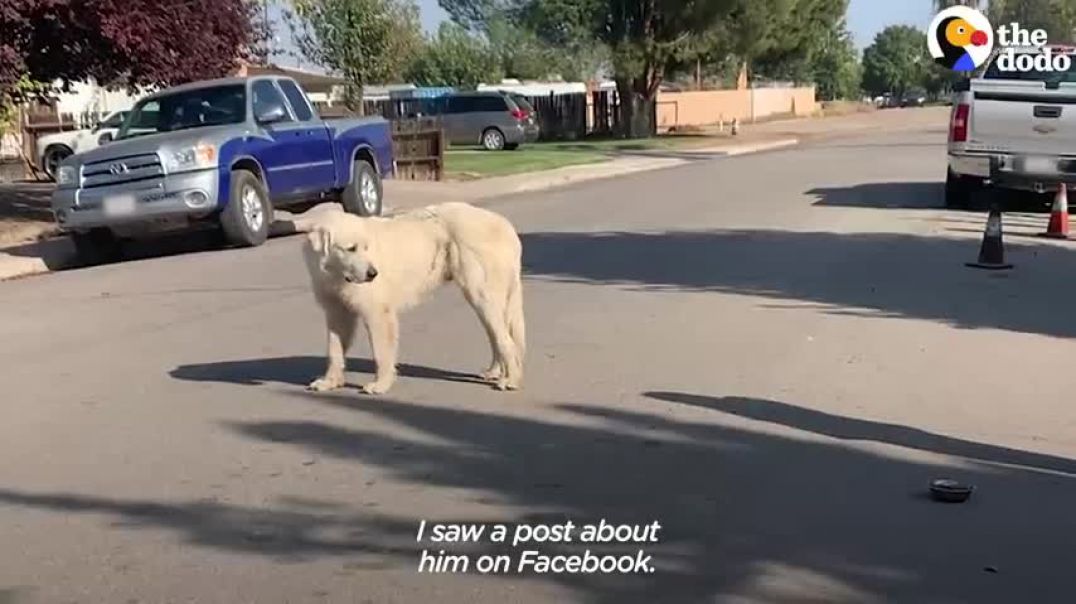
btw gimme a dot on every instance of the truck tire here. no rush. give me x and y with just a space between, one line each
245 220
54 155
97 246
363 195
960 191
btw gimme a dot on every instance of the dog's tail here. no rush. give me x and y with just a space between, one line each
514 310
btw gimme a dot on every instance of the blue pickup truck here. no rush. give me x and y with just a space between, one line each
223 152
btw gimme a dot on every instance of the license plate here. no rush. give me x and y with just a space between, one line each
1040 165
119 205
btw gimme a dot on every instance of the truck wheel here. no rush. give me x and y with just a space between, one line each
54 155
493 139
960 191
97 246
363 196
246 218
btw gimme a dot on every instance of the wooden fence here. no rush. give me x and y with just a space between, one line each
419 148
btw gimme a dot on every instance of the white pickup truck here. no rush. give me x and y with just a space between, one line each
52 149
1012 130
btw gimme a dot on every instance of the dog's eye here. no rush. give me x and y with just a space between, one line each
353 248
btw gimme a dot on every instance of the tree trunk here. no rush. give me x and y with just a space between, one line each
636 111
698 74
353 98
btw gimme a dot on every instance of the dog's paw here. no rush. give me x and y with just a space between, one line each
504 384
325 384
492 374
376 388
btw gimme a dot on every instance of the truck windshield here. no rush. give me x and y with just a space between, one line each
994 72
197 108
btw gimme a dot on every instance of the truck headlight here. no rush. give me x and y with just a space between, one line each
67 175
191 158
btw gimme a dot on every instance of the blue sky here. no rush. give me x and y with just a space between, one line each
868 17
865 18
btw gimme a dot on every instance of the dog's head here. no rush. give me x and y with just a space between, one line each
346 251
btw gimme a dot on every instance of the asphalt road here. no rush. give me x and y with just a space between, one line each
770 355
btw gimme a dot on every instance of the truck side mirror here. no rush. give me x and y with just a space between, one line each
271 114
104 138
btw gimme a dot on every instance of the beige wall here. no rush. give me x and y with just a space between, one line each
702 107
698 108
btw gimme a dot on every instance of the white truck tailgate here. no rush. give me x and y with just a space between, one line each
1023 117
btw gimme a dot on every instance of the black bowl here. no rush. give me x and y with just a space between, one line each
950 491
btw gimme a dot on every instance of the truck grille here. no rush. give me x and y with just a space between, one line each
119 170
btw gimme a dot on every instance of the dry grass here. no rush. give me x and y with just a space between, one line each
838 108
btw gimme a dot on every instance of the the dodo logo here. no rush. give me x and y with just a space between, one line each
960 38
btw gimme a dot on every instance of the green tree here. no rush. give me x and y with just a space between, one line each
1057 17
455 57
564 29
643 38
366 41
519 52
835 68
897 60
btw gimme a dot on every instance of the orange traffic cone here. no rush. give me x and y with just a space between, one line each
1059 216
992 253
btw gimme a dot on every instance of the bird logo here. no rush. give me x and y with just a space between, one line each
960 38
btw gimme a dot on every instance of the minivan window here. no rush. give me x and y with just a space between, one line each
476 103
490 103
297 100
461 104
522 102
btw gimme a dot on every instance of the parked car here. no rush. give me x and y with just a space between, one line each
54 148
495 120
221 152
887 101
1012 130
914 98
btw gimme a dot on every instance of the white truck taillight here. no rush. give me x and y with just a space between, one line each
958 128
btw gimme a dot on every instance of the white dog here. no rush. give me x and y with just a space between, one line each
373 268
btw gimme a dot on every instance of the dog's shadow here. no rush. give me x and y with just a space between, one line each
300 371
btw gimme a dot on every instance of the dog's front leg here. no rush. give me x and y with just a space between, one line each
340 325
383 327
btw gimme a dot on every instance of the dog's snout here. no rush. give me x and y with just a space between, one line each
371 273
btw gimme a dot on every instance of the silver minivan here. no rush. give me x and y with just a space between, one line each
495 120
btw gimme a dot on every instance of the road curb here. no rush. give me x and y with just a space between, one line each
658 160
55 254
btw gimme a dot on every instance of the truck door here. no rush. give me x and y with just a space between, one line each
319 171
282 159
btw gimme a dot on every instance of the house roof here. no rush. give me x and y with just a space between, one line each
310 81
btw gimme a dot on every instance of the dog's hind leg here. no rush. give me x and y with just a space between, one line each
504 370
340 324
383 327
